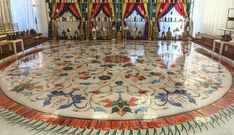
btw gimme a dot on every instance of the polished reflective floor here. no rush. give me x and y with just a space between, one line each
106 87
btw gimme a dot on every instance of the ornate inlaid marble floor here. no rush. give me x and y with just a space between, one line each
105 87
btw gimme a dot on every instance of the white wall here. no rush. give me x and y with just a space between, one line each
209 15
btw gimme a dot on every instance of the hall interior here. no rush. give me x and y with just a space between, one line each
90 67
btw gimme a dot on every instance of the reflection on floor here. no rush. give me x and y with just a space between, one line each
132 87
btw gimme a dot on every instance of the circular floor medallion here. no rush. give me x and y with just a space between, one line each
124 81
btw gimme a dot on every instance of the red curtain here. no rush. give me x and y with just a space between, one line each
59 9
141 10
107 9
129 9
163 9
180 9
74 10
95 9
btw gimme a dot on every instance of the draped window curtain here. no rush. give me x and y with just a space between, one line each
61 8
23 14
5 16
105 7
209 15
141 9
73 8
96 8
165 8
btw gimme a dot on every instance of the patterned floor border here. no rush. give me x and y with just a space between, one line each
211 116
200 124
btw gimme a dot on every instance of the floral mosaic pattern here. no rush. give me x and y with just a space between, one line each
132 80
